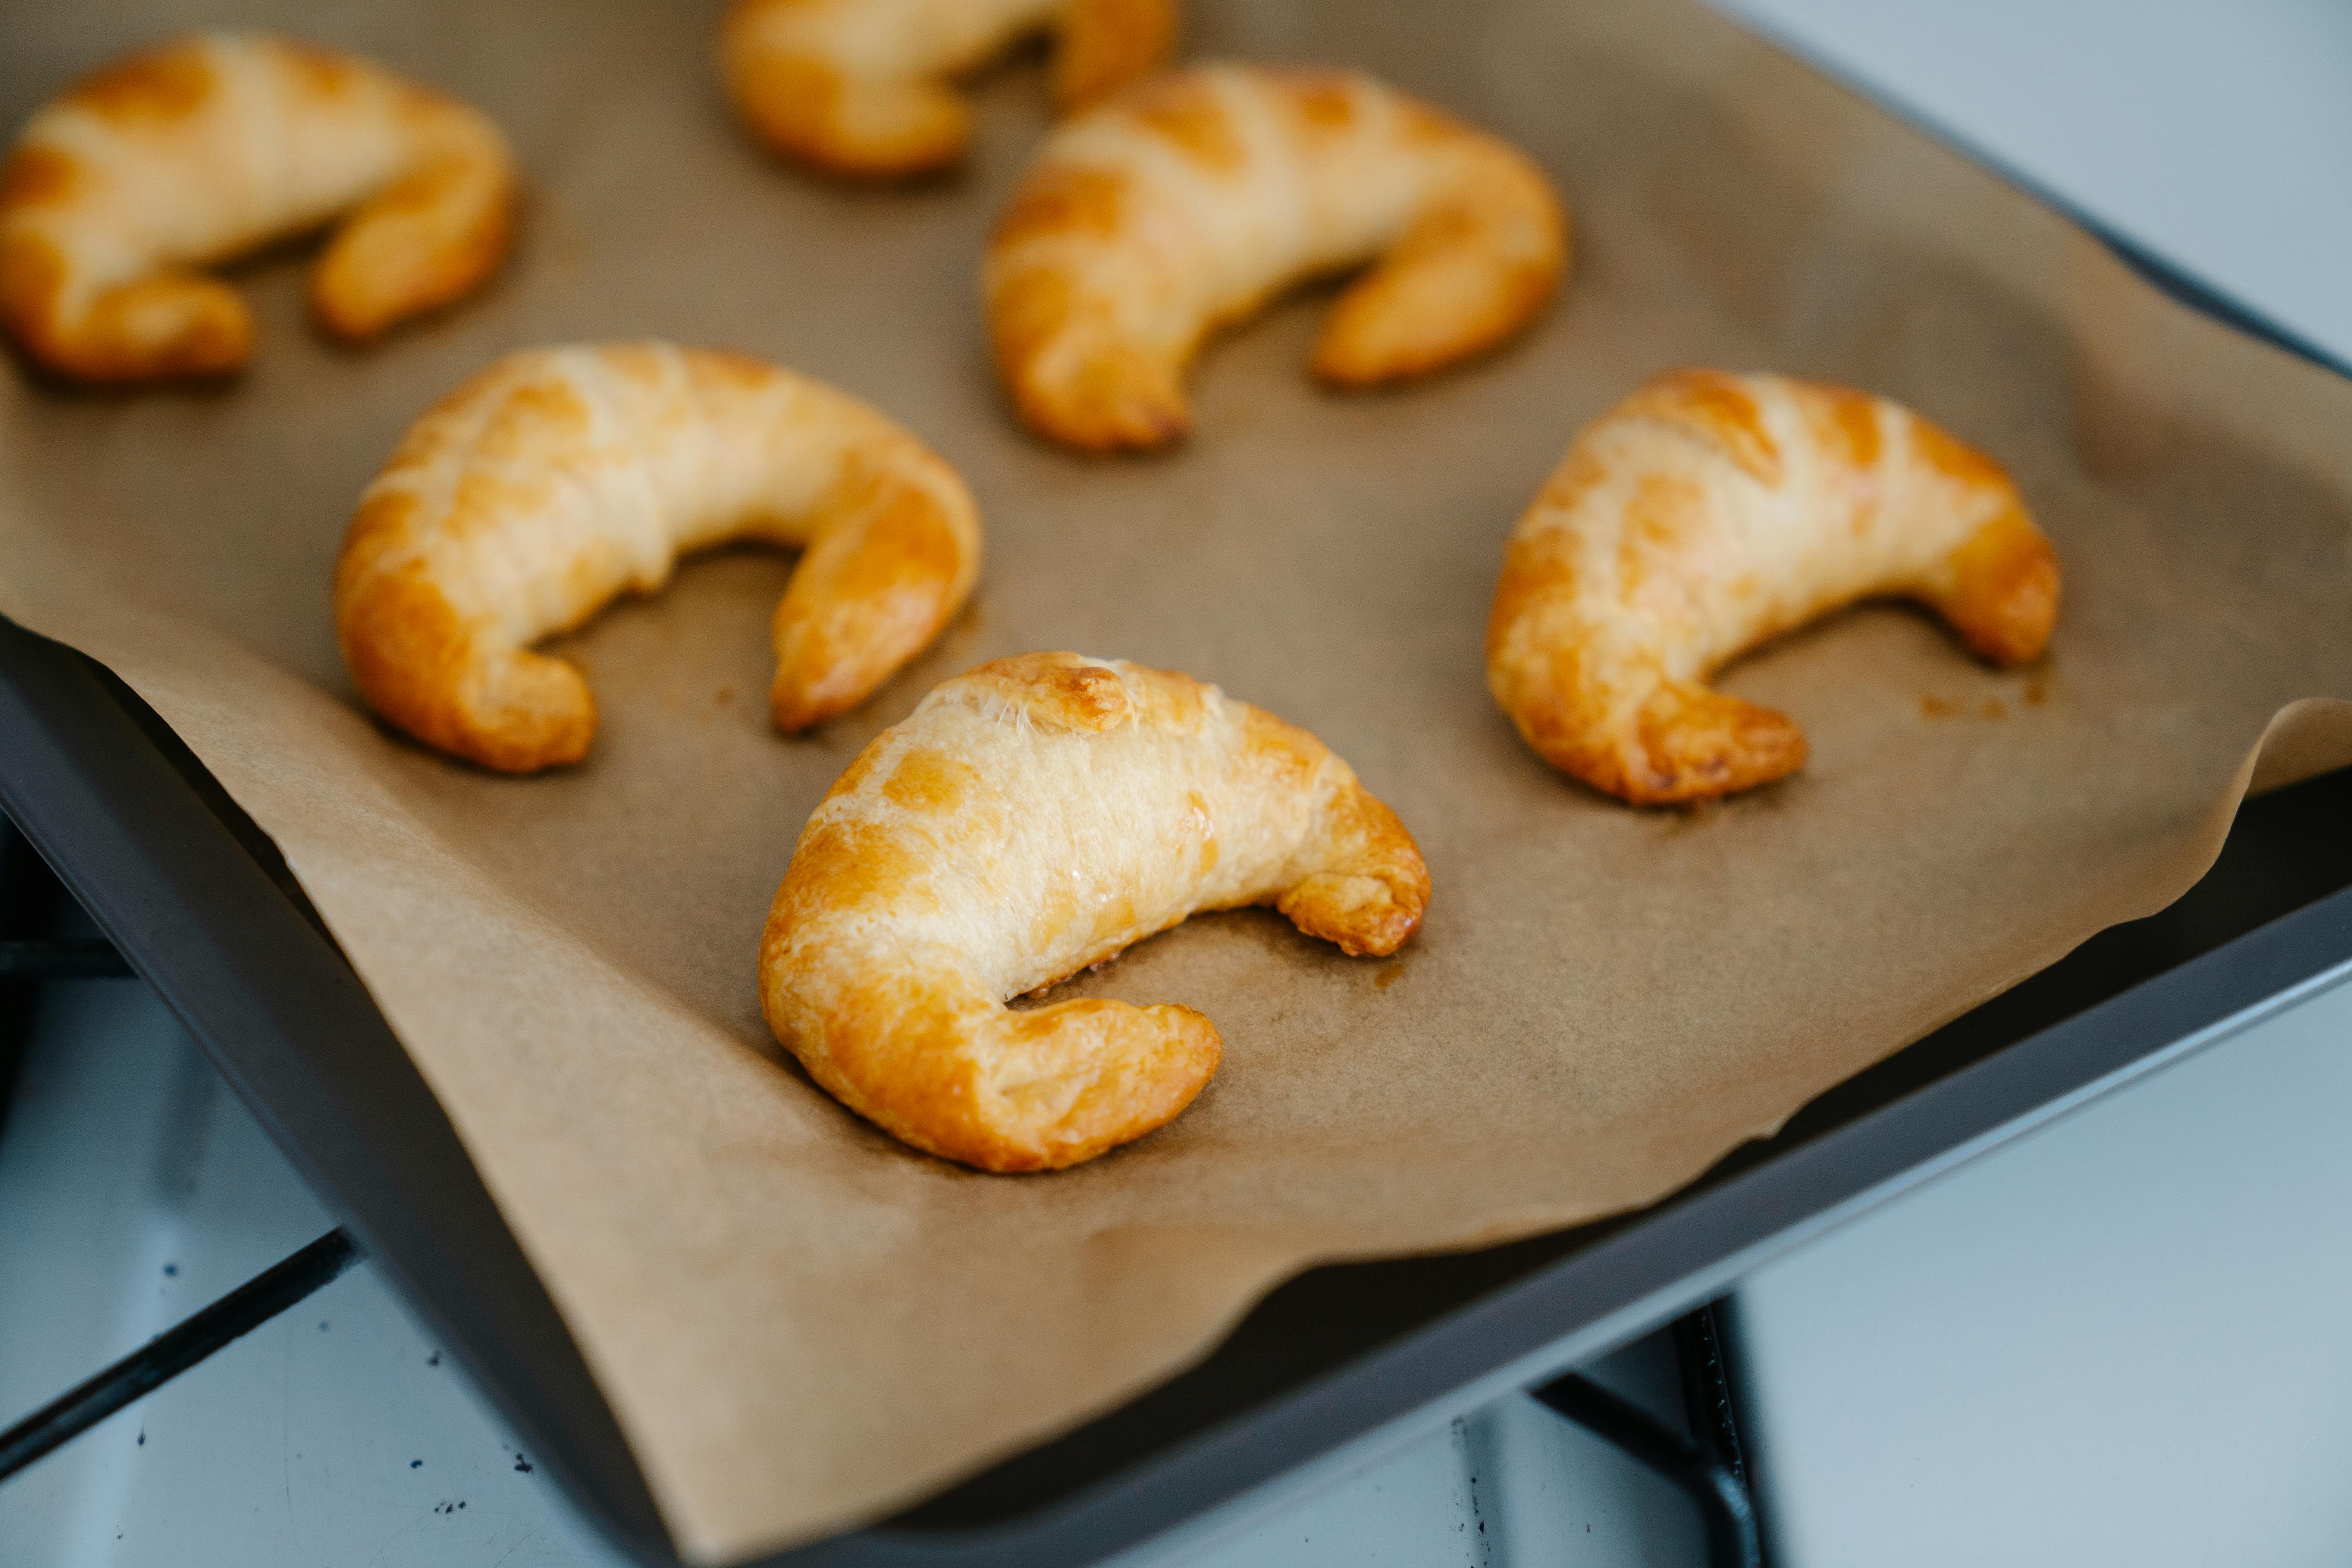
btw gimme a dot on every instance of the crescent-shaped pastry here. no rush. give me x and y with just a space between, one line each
558 478
1708 512
866 88
1190 198
1033 817
201 149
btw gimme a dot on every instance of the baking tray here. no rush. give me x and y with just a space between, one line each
1330 1365
1326 1369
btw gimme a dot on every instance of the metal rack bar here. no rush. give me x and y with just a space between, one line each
175 1350
28 900
1706 1391
1708 1468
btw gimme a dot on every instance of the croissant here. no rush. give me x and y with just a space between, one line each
1033 817
558 478
1189 199
208 146
1708 512
865 87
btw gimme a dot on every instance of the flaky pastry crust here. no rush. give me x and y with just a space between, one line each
197 150
1034 816
1190 198
558 478
866 88
1708 512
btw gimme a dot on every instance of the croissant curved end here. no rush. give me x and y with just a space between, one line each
1695 744
449 680
1432 312
1036 815
523 712
1370 898
892 567
1108 397
1053 1088
172 326
178 156
2000 590
934 1060
428 241
812 113
1708 513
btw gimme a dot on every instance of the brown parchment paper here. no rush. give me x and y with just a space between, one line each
801 1323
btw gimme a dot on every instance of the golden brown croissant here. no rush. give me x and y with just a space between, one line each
197 150
1035 816
558 478
1189 199
865 87
1708 512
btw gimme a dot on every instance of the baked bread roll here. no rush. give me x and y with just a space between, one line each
1190 199
866 88
197 150
1708 512
1033 817
558 478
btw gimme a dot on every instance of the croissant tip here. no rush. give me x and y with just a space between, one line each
344 327
516 756
1120 413
793 714
533 737
1382 941
1752 749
